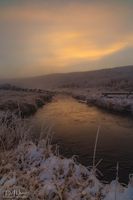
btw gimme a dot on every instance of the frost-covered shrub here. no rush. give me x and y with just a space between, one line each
118 104
43 174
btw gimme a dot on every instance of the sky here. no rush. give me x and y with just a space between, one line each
49 36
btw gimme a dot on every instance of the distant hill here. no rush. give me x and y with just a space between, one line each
119 77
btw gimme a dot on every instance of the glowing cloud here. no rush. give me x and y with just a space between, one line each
48 37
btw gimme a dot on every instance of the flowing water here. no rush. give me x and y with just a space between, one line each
75 126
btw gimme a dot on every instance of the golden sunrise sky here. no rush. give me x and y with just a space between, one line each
49 36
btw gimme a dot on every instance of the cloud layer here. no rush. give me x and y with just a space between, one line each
57 36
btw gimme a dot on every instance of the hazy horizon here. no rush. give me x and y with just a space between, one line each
44 37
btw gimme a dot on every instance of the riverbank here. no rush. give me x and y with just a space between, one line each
39 172
114 104
21 102
35 169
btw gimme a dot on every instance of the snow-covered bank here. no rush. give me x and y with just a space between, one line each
119 104
39 172
23 102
